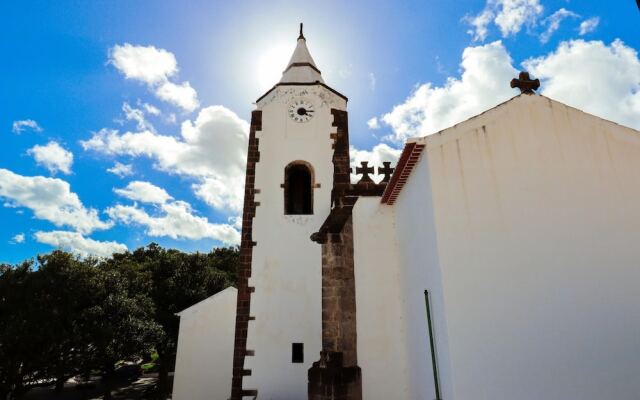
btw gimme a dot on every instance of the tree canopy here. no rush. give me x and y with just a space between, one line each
64 316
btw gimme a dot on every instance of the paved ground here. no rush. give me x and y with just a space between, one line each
138 389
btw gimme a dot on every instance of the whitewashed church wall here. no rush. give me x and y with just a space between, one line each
420 271
382 353
538 217
205 349
286 266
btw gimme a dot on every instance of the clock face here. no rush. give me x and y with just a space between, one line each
301 110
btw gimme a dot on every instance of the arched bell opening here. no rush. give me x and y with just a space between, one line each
298 188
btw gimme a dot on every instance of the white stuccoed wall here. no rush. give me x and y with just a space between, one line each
536 209
420 271
205 349
286 269
382 350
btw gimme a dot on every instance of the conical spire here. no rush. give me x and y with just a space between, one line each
301 67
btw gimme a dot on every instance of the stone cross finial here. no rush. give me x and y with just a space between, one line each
365 170
525 83
387 171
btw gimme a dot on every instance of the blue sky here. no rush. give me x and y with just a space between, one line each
80 96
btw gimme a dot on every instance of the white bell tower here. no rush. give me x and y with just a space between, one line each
287 198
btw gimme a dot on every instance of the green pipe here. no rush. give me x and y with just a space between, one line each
433 349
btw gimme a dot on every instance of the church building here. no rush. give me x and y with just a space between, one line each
496 260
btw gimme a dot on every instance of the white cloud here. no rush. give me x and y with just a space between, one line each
212 149
171 118
181 95
553 23
144 63
137 115
515 13
177 221
221 193
508 15
20 126
76 243
121 170
373 123
145 192
480 24
346 71
486 72
599 79
17 239
236 222
589 25
577 73
149 108
53 157
372 81
376 156
154 67
50 199
440 67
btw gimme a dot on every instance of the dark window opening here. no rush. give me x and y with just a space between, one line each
298 190
297 352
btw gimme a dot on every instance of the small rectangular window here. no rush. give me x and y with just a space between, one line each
297 352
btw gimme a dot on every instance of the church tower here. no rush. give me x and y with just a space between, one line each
288 195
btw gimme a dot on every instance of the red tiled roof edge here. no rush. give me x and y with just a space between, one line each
406 163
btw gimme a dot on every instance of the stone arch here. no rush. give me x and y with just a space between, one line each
299 181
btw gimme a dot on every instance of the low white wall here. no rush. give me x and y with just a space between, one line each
205 349
382 353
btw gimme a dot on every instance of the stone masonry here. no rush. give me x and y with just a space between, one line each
336 376
243 308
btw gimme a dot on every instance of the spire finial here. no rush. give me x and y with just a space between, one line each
301 35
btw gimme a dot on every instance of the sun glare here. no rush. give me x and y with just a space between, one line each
272 63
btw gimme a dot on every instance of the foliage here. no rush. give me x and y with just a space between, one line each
65 316
151 365
117 324
59 294
15 352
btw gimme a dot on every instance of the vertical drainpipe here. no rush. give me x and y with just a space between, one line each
434 364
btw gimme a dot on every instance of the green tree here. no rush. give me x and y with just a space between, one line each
69 315
179 280
14 323
61 292
118 325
